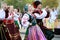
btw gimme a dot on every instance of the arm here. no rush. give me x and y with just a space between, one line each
24 20
43 15
15 15
10 16
2 14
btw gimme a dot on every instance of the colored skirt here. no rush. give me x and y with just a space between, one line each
13 31
34 33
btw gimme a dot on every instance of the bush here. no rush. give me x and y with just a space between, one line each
51 3
18 3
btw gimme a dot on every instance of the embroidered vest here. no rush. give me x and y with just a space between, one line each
32 20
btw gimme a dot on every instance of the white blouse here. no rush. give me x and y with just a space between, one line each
10 16
43 15
53 16
16 17
24 21
2 14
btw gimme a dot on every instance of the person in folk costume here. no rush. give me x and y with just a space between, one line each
46 19
13 31
33 31
26 23
53 18
4 21
56 15
17 19
2 18
40 14
48 24
20 16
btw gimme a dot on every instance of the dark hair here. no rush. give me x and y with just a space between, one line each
48 14
18 9
6 12
36 3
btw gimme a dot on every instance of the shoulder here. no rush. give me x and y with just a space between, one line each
25 16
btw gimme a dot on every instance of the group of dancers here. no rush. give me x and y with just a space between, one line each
39 22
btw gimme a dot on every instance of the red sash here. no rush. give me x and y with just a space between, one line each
8 21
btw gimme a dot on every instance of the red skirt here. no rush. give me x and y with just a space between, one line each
13 32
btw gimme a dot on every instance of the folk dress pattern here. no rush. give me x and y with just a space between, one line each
33 31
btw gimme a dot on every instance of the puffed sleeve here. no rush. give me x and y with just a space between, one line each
11 15
2 14
15 15
25 21
43 15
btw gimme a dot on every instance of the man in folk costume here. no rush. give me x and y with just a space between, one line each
46 19
53 17
12 29
40 14
2 18
48 24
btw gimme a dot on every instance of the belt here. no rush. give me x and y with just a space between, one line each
9 21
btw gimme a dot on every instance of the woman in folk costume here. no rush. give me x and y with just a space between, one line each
12 29
26 24
17 19
33 31
40 14
2 17
19 13
20 16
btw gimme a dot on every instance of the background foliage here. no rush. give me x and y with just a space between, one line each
18 3
21 3
51 3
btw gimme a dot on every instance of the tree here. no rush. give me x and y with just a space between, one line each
51 3
18 3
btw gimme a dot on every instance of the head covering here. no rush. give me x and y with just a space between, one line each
36 3
26 7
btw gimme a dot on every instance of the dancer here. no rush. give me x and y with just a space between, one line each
33 31
2 17
40 14
12 29
17 19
